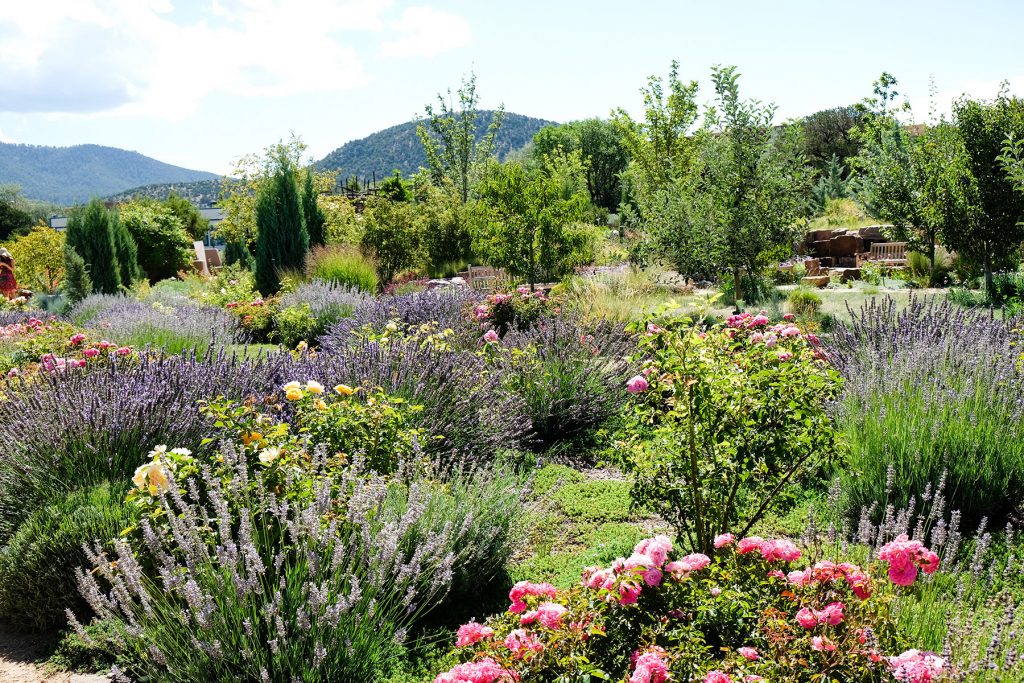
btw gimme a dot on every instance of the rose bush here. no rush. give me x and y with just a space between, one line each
725 418
749 612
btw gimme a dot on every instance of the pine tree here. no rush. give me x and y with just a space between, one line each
77 283
283 240
127 252
312 213
236 252
90 234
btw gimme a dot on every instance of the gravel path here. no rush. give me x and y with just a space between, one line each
18 654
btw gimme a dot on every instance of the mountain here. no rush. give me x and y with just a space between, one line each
71 175
199 192
399 147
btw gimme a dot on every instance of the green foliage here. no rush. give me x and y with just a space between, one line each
726 419
603 500
604 544
551 477
446 229
283 241
450 140
756 289
313 216
752 179
829 134
520 222
38 258
37 566
90 234
393 233
804 302
15 218
127 252
342 266
830 186
236 253
394 188
164 245
601 149
993 240
191 220
660 147
77 283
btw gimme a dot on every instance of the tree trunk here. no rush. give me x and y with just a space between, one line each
737 287
989 286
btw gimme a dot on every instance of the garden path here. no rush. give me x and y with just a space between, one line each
18 654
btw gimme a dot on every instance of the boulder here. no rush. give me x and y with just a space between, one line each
871 232
845 274
818 281
821 248
846 245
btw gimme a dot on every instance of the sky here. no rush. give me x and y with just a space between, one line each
200 83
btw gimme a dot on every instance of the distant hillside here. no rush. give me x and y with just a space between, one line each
399 147
70 175
199 192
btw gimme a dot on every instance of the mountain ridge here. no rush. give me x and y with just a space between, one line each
77 173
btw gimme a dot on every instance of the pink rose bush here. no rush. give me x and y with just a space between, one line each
905 557
52 346
747 613
518 310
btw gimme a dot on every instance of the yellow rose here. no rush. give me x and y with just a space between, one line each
158 479
344 390
320 405
292 385
139 479
314 387
249 437
294 394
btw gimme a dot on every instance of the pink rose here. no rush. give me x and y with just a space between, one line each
748 653
749 545
717 677
471 633
723 540
789 317
656 548
807 618
781 549
822 644
833 613
636 384
92 353
550 614
491 337
77 339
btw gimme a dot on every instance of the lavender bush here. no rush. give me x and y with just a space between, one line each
447 307
66 431
570 374
929 389
308 311
466 410
249 587
172 323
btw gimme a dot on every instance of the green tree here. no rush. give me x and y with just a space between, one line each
831 133
191 220
445 229
127 251
394 188
77 283
39 258
164 246
15 218
393 235
450 140
660 146
603 153
90 234
523 223
994 239
753 179
282 241
831 185
311 211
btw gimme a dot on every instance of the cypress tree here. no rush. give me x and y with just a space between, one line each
77 283
127 252
90 234
238 252
283 240
312 213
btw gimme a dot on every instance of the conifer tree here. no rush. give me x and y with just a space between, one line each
126 250
77 283
90 234
312 213
283 240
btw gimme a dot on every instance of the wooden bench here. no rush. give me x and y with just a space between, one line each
484 278
885 253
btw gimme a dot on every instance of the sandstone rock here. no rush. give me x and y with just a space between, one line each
818 281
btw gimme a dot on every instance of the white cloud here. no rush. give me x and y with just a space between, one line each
134 57
5 138
427 32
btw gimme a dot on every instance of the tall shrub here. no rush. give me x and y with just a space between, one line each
127 251
77 283
90 234
311 211
283 240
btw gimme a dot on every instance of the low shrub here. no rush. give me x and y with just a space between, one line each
518 311
804 302
757 290
37 580
733 616
566 372
309 310
342 266
725 418
931 389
